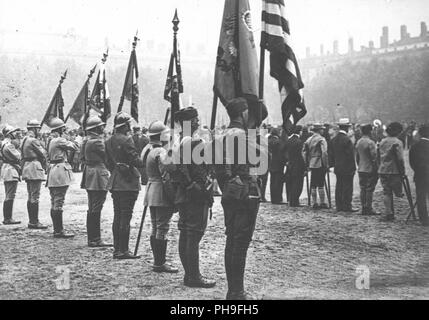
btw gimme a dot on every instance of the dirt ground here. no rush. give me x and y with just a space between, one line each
296 254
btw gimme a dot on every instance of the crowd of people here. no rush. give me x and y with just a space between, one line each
122 161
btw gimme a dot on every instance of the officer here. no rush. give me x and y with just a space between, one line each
10 172
419 162
315 154
33 171
366 158
392 168
193 199
157 198
95 177
342 158
60 174
295 167
124 183
240 198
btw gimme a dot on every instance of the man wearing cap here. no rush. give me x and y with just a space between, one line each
157 198
295 167
193 199
392 168
60 174
10 172
419 162
366 158
33 171
124 183
95 177
240 197
342 159
315 154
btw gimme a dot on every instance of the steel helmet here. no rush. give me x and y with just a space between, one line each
94 122
157 127
121 119
56 123
33 124
9 130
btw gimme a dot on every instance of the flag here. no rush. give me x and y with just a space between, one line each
56 107
100 96
237 68
275 38
131 89
79 107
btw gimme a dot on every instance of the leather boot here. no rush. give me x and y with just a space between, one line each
59 231
161 265
7 213
182 252
370 210
238 265
228 260
124 239
115 231
195 279
33 214
94 225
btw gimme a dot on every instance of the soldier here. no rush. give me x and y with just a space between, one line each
60 175
193 200
10 172
391 159
159 201
366 158
419 162
277 166
33 172
315 154
240 198
124 183
342 158
95 177
295 167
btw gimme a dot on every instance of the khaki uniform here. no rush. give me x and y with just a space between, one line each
10 168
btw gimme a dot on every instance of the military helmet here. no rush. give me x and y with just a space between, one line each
8 129
56 123
33 124
121 119
157 127
94 122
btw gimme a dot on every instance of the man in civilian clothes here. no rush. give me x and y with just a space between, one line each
342 158
295 167
419 162
366 158
277 166
123 162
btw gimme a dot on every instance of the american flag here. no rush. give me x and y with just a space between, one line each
276 39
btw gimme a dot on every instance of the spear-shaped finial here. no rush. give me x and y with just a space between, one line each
63 76
135 39
105 55
91 72
176 22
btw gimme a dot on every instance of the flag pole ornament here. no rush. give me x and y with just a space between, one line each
130 91
275 37
237 67
56 106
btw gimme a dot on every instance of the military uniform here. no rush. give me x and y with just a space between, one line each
295 169
95 178
10 173
240 200
33 173
124 184
276 166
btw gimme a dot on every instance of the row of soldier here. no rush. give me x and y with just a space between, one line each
114 164
375 155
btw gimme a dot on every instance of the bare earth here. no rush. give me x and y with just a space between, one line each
296 254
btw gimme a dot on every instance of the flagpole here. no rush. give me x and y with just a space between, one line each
214 111
175 22
63 77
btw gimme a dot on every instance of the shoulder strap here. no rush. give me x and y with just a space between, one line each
22 145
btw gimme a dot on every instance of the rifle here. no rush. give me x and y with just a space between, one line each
405 183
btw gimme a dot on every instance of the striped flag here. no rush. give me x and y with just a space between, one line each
275 38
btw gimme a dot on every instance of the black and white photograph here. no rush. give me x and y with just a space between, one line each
214 151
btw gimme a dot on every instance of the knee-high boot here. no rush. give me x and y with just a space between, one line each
57 221
161 264
183 253
124 239
33 215
238 265
7 213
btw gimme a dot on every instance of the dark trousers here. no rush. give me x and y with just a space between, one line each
367 183
276 187
96 201
344 192
422 192
294 186
264 181
240 221
123 206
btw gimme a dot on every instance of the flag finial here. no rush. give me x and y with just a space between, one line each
91 72
176 22
135 40
63 76
105 55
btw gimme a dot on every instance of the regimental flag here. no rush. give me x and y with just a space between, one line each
131 89
56 106
275 38
79 107
100 96
237 68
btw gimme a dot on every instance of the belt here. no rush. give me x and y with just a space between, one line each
29 159
57 161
